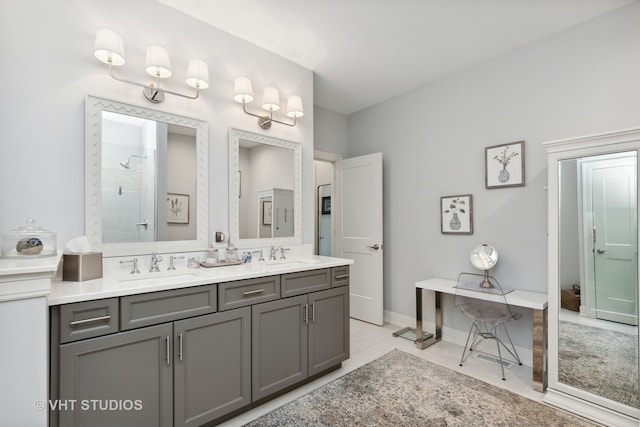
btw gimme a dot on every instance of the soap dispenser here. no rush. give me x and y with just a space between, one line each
231 253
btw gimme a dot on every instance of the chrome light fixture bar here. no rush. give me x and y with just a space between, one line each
109 50
243 93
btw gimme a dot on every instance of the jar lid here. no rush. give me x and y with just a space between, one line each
30 230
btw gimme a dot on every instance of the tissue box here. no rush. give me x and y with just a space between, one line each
80 267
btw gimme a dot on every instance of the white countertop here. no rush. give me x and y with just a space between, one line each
27 265
25 277
534 300
129 284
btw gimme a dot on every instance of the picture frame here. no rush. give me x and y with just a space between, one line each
456 214
326 205
504 165
177 208
266 212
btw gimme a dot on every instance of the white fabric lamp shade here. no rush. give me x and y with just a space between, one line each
294 107
271 99
198 74
108 47
157 63
242 90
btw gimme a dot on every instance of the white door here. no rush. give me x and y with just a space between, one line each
615 246
358 219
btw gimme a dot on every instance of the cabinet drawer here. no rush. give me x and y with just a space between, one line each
88 319
159 307
339 276
304 282
247 292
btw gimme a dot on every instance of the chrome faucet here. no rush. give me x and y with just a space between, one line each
155 259
273 252
133 261
282 251
260 253
171 258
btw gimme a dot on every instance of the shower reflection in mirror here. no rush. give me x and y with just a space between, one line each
139 158
598 319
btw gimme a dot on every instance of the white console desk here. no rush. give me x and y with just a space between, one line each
533 300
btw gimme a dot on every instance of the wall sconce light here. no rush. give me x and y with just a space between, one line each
109 49
243 93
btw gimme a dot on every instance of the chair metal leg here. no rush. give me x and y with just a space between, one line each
464 350
515 353
485 330
495 330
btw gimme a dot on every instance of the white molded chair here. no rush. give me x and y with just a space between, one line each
489 312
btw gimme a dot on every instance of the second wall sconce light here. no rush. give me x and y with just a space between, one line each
109 49
243 93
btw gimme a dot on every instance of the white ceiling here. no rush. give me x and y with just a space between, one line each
363 52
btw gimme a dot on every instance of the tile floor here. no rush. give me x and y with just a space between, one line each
368 342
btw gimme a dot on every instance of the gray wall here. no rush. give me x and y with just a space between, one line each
49 69
581 81
330 133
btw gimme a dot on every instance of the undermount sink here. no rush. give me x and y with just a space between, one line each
288 263
163 277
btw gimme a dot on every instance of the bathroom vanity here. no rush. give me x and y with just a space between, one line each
191 347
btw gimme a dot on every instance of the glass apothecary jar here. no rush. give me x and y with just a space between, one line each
231 253
29 241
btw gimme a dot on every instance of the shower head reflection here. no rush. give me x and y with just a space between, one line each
127 163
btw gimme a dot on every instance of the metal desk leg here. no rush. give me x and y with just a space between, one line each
422 344
540 350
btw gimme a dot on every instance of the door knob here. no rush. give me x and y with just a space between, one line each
600 251
375 247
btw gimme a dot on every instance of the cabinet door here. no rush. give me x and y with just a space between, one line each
212 366
328 328
279 345
124 379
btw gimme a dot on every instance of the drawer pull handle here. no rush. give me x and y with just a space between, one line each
342 276
257 291
180 347
93 319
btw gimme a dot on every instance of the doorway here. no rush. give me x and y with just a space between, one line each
610 226
323 219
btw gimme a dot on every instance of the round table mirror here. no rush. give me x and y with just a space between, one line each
484 257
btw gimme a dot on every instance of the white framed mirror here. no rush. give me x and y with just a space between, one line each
265 181
146 179
593 276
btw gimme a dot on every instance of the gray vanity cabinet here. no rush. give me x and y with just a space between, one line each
279 345
294 338
121 379
184 373
170 358
212 366
328 329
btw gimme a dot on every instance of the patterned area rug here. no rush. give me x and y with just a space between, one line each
600 361
400 389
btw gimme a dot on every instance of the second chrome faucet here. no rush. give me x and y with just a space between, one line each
155 259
